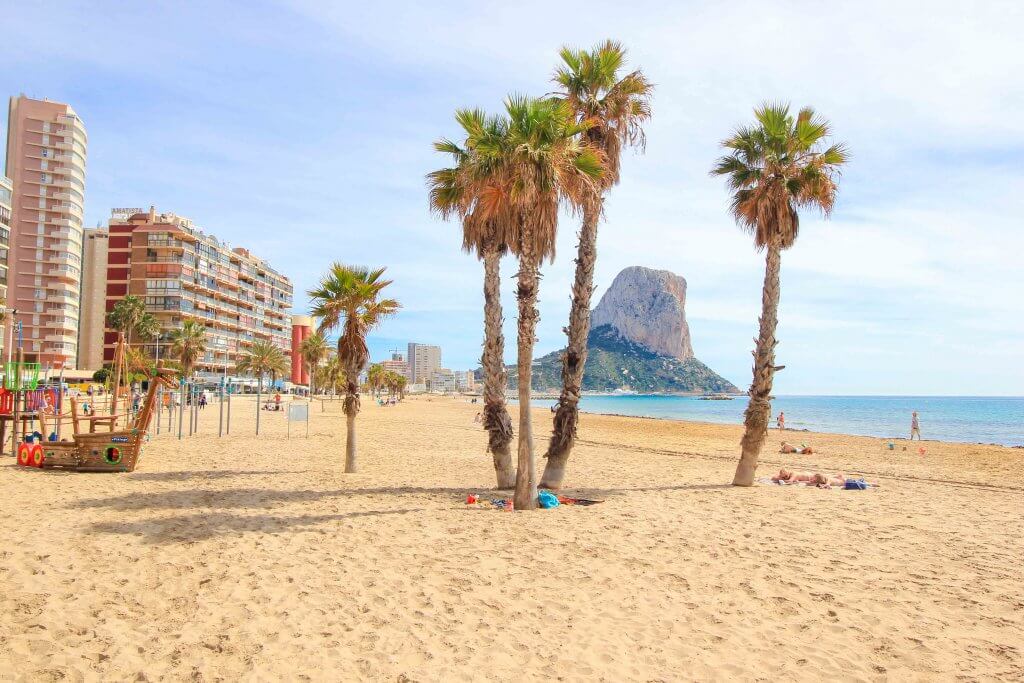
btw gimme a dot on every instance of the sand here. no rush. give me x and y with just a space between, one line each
258 559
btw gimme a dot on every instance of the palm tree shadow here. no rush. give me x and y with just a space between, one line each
187 475
201 527
243 498
256 498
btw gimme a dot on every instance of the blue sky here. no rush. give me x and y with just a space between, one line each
302 130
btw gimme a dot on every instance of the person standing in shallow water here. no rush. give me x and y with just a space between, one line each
781 421
915 427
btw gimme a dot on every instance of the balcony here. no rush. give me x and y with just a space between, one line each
165 244
65 273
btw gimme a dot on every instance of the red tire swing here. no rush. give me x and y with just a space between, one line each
25 455
36 456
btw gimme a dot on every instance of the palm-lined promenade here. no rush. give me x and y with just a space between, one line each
260 558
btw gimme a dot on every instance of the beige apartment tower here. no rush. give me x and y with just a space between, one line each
46 152
94 299
423 360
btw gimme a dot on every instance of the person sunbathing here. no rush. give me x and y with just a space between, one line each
791 477
790 448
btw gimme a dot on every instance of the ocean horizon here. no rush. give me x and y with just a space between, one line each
962 419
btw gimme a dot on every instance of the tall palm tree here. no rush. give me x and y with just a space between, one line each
614 107
313 349
546 161
773 168
262 358
475 190
348 297
188 343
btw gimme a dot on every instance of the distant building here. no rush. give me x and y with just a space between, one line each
423 360
465 380
94 299
396 364
46 150
302 328
442 380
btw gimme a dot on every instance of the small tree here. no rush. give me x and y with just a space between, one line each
313 349
130 317
262 358
188 343
348 297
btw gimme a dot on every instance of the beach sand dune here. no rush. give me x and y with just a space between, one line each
222 559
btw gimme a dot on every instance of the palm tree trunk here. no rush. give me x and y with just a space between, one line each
259 401
350 443
574 360
351 409
755 419
496 418
526 476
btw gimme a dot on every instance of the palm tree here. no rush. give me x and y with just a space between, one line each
547 161
331 375
262 358
188 343
614 108
475 190
130 317
773 168
375 377
348 297
313 349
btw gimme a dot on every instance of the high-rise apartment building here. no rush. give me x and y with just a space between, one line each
423 360
46 151
94 299
5 231
5 237
183 273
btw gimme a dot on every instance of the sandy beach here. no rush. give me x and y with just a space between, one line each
258 559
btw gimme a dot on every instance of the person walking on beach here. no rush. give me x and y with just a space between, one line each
781 421
915 427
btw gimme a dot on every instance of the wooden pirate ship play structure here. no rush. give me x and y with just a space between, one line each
98 444
92 451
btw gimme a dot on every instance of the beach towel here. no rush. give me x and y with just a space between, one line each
855 485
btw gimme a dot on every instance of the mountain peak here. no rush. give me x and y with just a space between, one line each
648 307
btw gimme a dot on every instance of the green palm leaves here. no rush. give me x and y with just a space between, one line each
776 166
614 107
263 358
511 172
188 343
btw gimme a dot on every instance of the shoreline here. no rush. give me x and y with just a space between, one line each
773 430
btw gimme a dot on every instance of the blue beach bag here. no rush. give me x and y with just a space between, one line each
546 499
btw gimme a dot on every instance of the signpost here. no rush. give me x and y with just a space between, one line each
298 412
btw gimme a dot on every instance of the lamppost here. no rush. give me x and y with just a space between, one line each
10 312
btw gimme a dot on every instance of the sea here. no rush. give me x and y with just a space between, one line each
968 419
